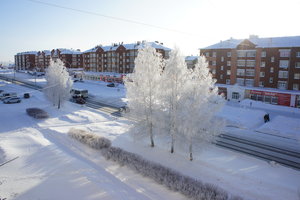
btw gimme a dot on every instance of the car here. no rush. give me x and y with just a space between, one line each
78 100
111 85
124 109
26 95
7 94
1 91
12 100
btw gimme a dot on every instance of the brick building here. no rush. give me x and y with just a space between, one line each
257 63
25 60
117 58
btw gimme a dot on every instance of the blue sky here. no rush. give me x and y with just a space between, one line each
27 25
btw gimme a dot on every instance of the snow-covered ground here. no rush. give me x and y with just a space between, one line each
50 165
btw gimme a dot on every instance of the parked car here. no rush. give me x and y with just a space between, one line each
1 91
78 93
111 85
124 109
12 100
7 94
79 100
26 95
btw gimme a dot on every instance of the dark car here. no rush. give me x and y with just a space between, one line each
26 95
111 85
78 100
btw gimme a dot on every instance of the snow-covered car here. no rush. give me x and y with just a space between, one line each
12 100
7 94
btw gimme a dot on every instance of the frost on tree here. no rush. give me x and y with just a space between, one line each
143 87
199 106
59 83
173 86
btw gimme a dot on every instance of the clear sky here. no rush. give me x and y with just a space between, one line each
27 25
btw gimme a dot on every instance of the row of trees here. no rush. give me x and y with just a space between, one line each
168 96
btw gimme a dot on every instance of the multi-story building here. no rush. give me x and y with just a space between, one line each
117 58
25 60
191 61
257 63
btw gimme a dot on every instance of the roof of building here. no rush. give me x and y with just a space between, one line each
69 51
131 46
191 58
271 42
27 53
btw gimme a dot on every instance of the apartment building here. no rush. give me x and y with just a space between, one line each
257 63
117 58
25 60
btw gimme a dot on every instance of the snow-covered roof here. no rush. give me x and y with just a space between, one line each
271 42
69 51
191 58
131 46
28 53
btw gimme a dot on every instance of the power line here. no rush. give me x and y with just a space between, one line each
110 17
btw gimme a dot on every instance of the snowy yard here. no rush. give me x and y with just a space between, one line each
50 165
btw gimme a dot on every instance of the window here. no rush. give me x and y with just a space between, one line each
282 85
228 63
207 54
228 72
228 81
261 84
272 59
240 81
295 86
241 63
250 72
261 74
284 52
214 54
235 95
271 80
283 74
240 72
262 64
214 63
222 59
213 71
221 76
274 100
246 53
297 65
249 82
250 63
298 54
222 67
271 69
297 76
284 63
229 54
263 54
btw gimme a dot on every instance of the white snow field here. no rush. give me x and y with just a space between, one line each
50 165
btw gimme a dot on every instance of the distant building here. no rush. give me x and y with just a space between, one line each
257 63
191 61
117 58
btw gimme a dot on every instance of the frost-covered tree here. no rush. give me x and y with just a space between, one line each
143 87
173 85
199 105
59 83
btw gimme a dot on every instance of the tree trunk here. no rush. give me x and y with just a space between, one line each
191 151
58 106
172 143
151 135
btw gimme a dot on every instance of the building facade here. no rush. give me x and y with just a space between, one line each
117 58
256 62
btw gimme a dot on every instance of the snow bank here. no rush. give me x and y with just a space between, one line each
282 126
174 180
94 141
242 117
